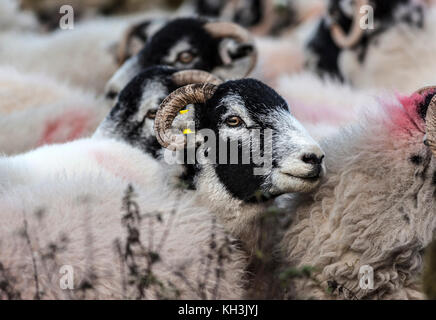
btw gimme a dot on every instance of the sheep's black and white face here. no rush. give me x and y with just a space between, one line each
184 44
241 111
132 118
323 53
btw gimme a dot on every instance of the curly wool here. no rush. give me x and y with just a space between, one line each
375 207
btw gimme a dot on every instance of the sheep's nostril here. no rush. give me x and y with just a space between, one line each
313 159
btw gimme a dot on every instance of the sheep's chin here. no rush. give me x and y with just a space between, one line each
283 183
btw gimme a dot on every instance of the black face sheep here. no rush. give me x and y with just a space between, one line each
222 48
375 212
60 192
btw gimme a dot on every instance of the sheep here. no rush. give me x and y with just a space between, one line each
374 209
264 107
384 57
222 48
83 179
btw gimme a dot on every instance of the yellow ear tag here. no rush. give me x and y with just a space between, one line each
186 131
183 111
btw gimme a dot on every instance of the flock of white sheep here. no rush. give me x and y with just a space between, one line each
89 117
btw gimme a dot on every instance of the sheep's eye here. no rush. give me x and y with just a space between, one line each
234 121
151 114
112 94
185 57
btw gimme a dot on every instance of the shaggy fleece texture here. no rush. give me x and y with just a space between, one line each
62 205
375 207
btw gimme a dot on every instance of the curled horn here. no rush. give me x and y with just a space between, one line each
426 89
170 107
185 77
347 41
232 30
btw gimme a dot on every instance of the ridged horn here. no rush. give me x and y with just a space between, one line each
170 107
425 89
430 125
233 31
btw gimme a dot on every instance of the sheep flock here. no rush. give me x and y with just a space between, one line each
228 149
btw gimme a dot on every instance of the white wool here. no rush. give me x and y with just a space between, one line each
75 190
323 105
36 109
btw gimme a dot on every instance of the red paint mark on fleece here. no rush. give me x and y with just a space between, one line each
117 166
66 127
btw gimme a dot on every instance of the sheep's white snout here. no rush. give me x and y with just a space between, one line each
306 164
301 171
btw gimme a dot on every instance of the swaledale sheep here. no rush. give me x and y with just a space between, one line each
375 207
387 56
222 48
90 175
232 110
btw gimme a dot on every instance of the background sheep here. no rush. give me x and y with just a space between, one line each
191 43
375 206
387 56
